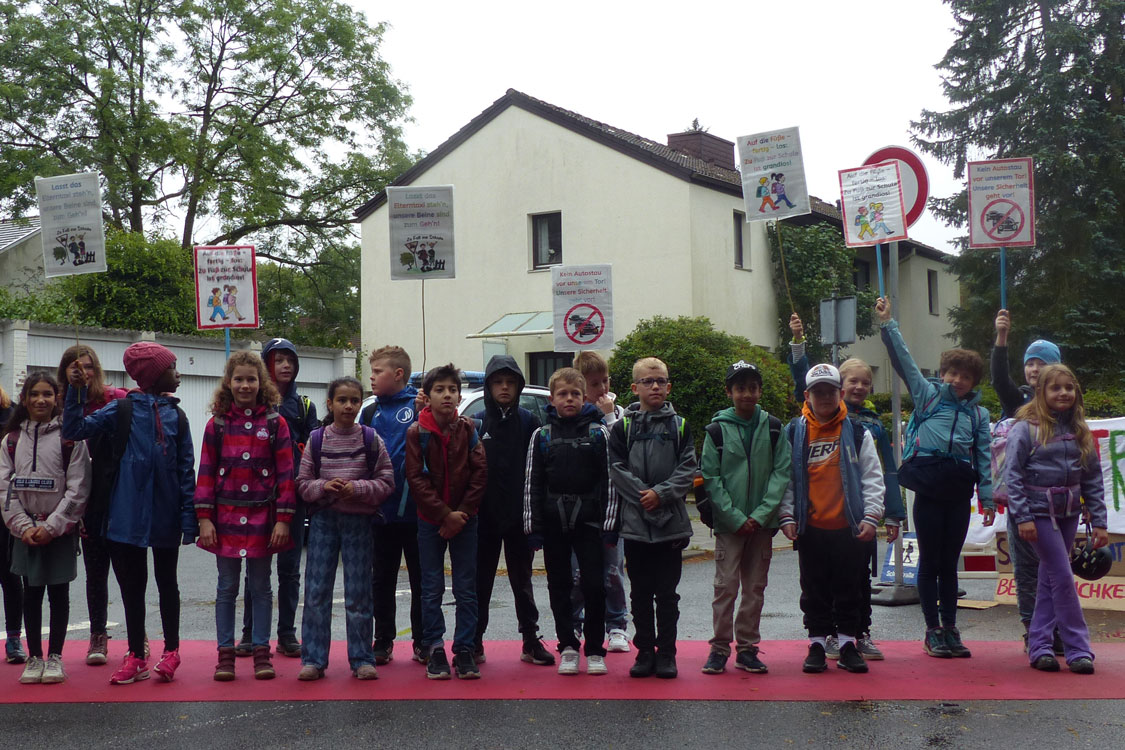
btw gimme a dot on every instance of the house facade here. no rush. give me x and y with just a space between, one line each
21 255
536 185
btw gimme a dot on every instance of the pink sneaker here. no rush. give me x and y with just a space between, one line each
166 668
132 669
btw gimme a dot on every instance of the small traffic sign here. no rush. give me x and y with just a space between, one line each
912 172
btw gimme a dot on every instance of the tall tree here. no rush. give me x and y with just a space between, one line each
1045 79
220 120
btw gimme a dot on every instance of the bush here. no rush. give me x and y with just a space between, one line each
697 356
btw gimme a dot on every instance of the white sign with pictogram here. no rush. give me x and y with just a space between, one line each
871 204
1001 203
773 175
582 298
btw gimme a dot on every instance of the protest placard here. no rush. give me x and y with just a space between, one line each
773 175
583 307
226 287
871 200
421 232
70 221
1001 203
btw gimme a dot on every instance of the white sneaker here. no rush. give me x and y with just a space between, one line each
568 661
53 672
595 664
32 671
618 641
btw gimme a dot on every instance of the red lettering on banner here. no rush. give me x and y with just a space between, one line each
1006 587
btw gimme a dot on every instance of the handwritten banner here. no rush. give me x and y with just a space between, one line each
226 287
773 175
70 216
421 225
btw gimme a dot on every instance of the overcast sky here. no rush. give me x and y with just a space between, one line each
851 75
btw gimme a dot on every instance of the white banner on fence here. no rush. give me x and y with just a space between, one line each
421 221
70 220
773 175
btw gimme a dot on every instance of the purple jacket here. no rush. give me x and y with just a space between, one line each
1046 480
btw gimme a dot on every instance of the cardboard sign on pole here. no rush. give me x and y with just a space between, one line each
871 200
1001 203
582 298
226 287
773 175
421 220
70 221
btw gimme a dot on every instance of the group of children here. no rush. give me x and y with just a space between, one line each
411 478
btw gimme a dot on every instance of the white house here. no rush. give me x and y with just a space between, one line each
536 185
21 255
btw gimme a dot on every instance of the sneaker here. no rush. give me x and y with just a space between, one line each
850 659
666 665
534 652
310 673
716 663
365 672
465 666
748 661
419 654
568 661
32 671
832 647
13 650
645 664
1057 645
934 644
383 654
953 641
618 641
98 651
1081 665
166 668
868 648
245 647
289 646
132 669
595 664
437 666
53 671
478 654
1046 663
816 661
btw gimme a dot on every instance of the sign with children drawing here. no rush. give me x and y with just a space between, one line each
226 287
1001 203
421 221
583 307
773 175
871 201
70 215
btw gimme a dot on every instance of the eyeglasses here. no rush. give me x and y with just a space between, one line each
650 382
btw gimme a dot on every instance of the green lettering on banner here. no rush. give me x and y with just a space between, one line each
1115 456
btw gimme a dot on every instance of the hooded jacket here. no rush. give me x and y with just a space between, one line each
665 464
504 433
1046 480
39 460
152 504
568 474
391 417
742 487
301 422
1011 396
954 427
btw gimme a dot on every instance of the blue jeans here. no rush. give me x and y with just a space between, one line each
288 582
258 582
463 559
1025 566
616 609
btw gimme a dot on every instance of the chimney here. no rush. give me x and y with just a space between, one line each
703 145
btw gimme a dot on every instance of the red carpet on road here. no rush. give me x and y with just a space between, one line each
997 671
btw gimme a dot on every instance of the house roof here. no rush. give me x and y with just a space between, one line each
655 154
15 231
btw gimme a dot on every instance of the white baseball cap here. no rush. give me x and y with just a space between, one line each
823 373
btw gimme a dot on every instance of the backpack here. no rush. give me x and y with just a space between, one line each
921 415
998 448
13 437
424 442
316 441
702 496
570 505
938 472
629 437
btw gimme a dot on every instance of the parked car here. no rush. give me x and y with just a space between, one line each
534 397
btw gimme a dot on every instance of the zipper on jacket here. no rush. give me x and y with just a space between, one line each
35 451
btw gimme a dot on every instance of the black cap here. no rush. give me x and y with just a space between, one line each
743 369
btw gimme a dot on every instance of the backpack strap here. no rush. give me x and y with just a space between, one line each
316 440
67 453
370 455
715 430
125 426
10 440
367 416
306 404
775 430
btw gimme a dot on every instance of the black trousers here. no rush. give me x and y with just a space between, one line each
393 542
941 525
654 573
130 566
95 558
59 597
517 558
833 565
12 585
586 544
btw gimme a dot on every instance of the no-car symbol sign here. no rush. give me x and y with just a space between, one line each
1002 219
585 324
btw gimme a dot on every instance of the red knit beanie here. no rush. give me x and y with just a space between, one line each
146 361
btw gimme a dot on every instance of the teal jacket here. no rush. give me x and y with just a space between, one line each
742 486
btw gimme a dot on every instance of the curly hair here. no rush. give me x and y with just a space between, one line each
267 391
965 360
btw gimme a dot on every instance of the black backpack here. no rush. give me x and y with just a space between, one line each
702 496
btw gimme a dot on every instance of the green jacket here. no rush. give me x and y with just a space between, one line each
739 492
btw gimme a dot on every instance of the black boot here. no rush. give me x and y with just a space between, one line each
645 665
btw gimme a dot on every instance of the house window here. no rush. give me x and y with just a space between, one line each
931 288
546 240
542 364
861 275
739 220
